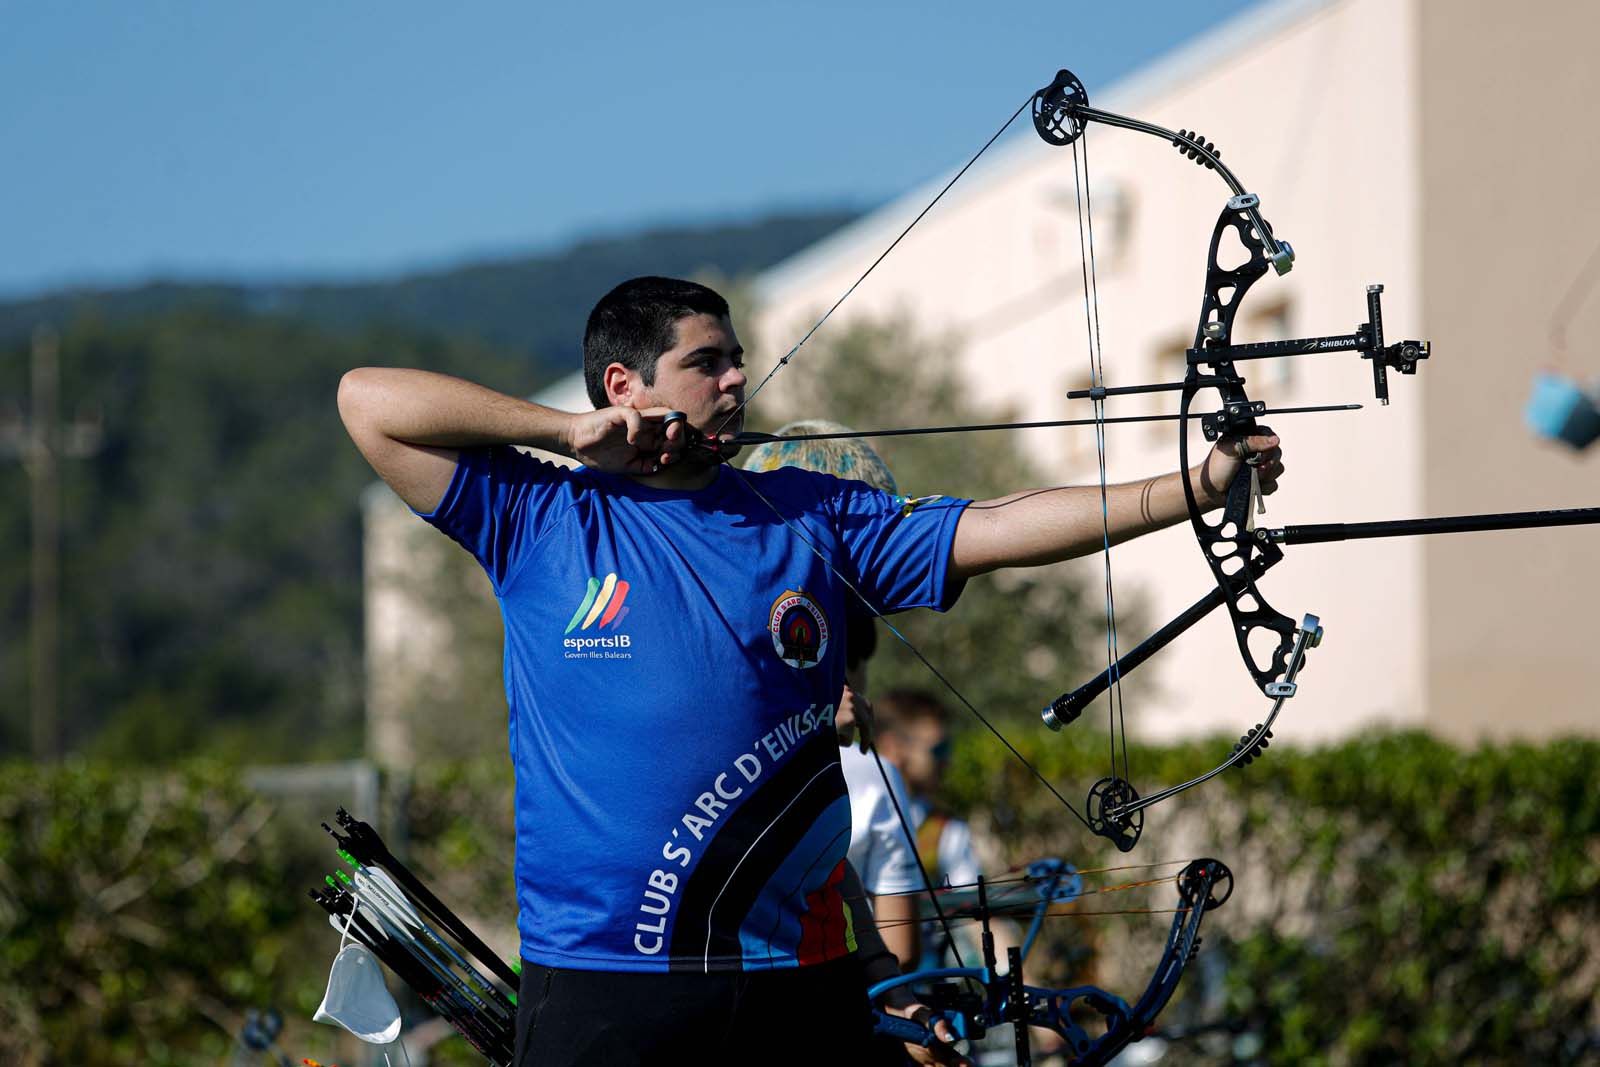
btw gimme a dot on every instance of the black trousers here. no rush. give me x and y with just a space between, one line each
797 1015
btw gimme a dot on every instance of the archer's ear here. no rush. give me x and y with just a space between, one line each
621 384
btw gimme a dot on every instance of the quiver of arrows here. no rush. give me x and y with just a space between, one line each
385 907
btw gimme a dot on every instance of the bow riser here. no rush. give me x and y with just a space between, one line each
1228 543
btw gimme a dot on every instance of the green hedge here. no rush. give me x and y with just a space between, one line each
143 913
1397 900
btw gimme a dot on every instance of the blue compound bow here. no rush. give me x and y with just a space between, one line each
974 1000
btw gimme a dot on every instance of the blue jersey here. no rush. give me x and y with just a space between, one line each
672 664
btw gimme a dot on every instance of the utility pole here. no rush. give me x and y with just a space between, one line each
40 441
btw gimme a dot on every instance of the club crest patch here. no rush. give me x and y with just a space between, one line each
799 629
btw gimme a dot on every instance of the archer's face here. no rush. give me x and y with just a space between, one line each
701 375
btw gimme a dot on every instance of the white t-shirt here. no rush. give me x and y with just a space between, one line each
880 851
958 860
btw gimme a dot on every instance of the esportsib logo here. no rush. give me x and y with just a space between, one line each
602 605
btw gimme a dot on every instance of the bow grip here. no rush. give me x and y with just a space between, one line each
904 1030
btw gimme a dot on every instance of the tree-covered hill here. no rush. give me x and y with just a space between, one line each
532 306
211 544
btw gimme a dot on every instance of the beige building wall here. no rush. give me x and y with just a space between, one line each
1438 148
410 645
407 640
1510 212
1320 108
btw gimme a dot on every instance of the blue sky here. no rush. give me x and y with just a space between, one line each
297 140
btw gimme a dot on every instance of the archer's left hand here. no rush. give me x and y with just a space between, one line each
943 1050
1259 451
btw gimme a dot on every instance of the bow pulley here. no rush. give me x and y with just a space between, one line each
1055 109
1061 112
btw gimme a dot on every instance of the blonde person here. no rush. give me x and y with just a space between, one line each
882 853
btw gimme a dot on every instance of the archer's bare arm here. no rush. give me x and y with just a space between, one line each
896 921
409 424
1048 525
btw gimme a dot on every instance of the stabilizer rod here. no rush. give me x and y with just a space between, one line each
1317 533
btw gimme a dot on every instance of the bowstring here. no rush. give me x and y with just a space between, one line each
738 411
745 403
1064 908
1028 913
1115 714
1010 877
905 825
1091 286
911 842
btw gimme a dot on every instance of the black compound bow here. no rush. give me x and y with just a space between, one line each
1233 549
1272 644
1237 558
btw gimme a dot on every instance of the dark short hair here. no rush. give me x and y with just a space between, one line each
635 323
898 708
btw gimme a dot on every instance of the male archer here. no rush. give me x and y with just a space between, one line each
673 668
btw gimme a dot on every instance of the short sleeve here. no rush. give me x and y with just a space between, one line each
498 503
899 547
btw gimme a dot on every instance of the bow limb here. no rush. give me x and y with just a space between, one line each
990 1000
1203 886
1061 112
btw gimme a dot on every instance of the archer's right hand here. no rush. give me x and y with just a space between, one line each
623 440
